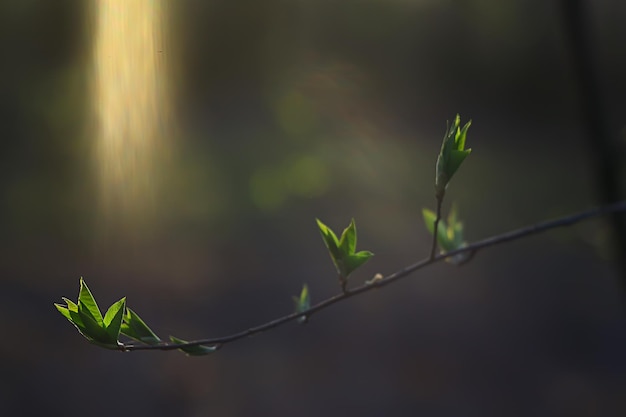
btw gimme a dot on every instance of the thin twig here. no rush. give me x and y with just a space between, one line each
474 247
343 282
433 248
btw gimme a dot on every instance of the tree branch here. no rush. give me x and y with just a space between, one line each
378 283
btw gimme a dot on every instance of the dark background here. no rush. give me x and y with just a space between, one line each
290 110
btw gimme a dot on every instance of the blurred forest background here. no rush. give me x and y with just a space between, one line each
247 119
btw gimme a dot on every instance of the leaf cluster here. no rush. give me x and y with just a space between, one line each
119 320
343 250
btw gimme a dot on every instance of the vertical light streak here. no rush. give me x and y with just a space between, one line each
130 106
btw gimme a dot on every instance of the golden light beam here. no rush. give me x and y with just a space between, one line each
130 105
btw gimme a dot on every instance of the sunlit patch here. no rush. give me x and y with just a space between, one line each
130 106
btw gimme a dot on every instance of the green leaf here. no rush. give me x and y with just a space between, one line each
461 135
455 160
113 319
70 312
451 155
70 304
342 268
77 321
455 229
329 236
442 231
89 302
429 219
64 311
135 328
356 260
330 240
67 309
88 318
198 350
342 252
450 235
347 243
332 244
113 312
303 303
92 329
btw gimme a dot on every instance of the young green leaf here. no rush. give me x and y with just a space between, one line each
332 244
330 239
93 330
429 221
135 328
78 322
65 309
198 350
455 235
342 251
356 260
451 156
70 312
113 319
303 303
89 316
89 302
347 243
455 229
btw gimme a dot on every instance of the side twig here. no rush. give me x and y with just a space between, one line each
433 248
474 247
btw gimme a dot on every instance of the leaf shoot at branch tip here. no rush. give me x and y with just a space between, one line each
343 250
451 156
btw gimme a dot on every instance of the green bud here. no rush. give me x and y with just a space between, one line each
451 156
